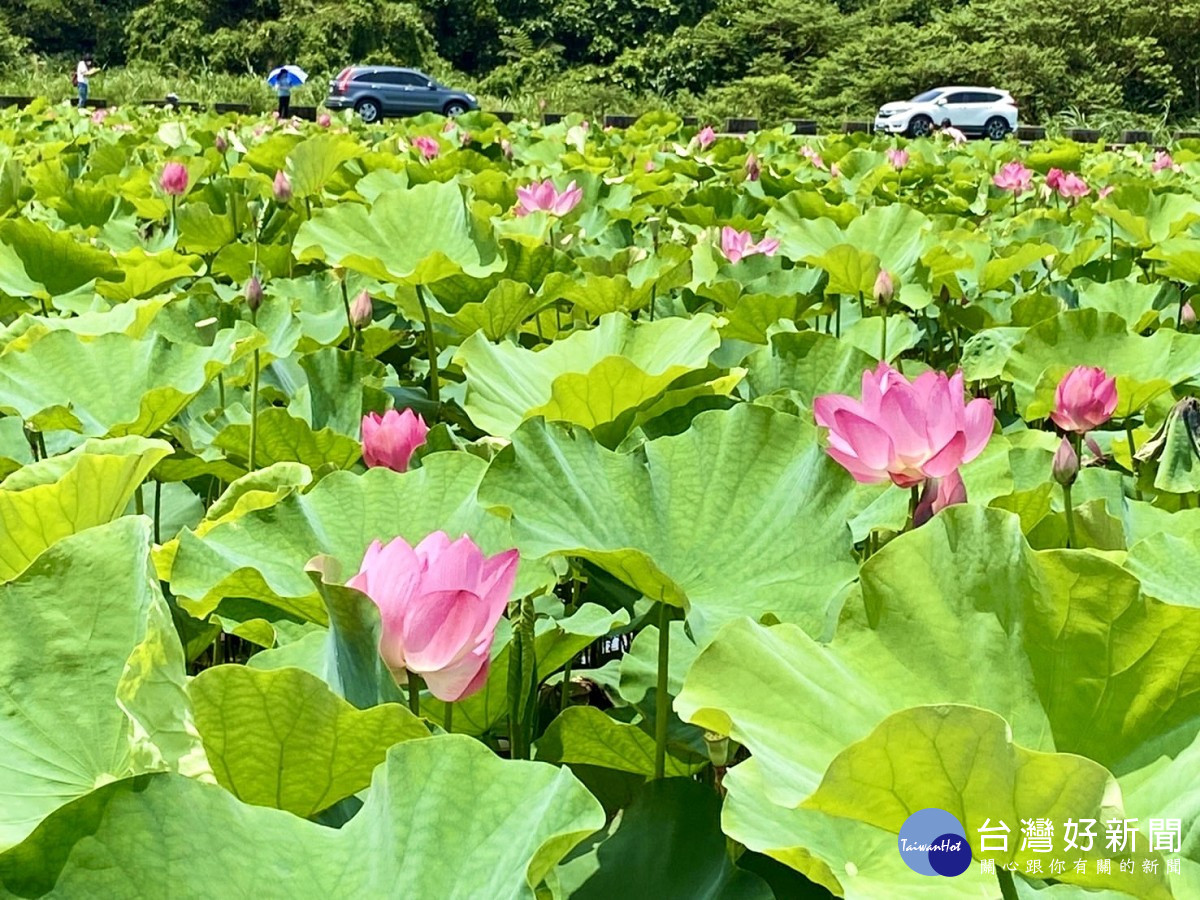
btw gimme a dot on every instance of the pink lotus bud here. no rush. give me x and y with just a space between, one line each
1054 179
1187 315
506 148
706 137
282 188
897 157
361 310
737 245
904 431
389 440
174 179
324 120
650 165
254 293
753 170
835 170
427 146
439 603
1085 398
1066 463
448 127
885 288
220 143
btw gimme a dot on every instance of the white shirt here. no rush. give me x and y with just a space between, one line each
81 72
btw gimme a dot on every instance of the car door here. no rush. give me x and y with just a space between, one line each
418 96
393 92
957 109
984 107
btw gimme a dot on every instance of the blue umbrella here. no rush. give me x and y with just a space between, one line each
288 76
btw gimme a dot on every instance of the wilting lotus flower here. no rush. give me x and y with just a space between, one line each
1162 160
390 440
428 147
1065 466
542 196
1084 399
1013 177
361 311
174 179
937 494
897 157
706 137
904 431
737 245
1072 187
753 170
324 120
885 287
813 157
282 187
439 603
220 143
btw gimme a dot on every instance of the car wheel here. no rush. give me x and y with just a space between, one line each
368 110
455 108
996 128
920 126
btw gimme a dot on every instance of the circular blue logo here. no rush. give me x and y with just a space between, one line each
933 842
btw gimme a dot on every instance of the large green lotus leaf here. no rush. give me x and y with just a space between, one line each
1144 217
585 735
282 738
851 270
94 676
1000 270
903 334
1138 304
894 234
742 514
262 555
36 261
963 760
499 314
384 244
49 500
1166 562
590 378
809 363
148 273
444 818
114 385
283 437
668 843
985 353
1143 366
313 162
133 319
1167 789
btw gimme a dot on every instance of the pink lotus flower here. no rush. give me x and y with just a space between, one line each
174 179
439 603
1014 177
1105 191
753 169
1072 187
220 143
448 126
649 165
813 157
1162 160
897 157
361 311
706 137
282 187
324 120
1054 178
737 245
904 431
428 147
99 116
390 440
544 197
937 494
1084 399
1187 315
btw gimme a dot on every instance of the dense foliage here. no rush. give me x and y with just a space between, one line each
778 58
690 532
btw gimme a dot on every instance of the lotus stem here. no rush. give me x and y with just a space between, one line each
837 328
139 503
913 499
430 346
41 439
174 212
1071 542
254 413
565 696
1133 460
662 701
1008 890
221 389
415 683
448 717
157 510
883 339
346 306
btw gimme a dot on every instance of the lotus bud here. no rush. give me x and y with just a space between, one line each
282 188
1187 315
885 288
174 179
389 441
324 120
753 170
1085 399
1066 463
220 143
506 148
254 293
361 310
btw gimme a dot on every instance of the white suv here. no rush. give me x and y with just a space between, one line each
972 110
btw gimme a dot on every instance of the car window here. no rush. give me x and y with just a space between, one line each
926 97
960 97
984 97
413 78
392 78
365 76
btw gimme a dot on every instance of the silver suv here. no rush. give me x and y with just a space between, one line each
378 91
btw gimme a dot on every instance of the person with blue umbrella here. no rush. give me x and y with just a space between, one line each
283 79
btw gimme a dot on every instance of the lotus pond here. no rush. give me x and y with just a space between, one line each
469 510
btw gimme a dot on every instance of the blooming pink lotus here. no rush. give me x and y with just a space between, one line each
813 157
1162 160
428 147
99 116
904 431
1105 191
439 603
737 245
1072 187
389 440
937 494
706 137
1014 177
174 179
1085 398
897 157
543 196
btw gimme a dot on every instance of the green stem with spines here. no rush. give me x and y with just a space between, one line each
415 683
662 700
430 346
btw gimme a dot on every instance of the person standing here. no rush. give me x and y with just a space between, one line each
283 87
83 72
